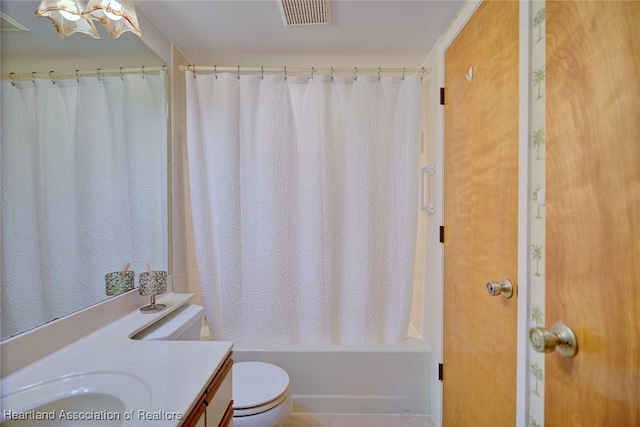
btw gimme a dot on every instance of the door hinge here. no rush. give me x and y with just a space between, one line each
442 234
440 371
441 96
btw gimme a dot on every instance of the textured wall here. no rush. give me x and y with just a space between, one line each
537 213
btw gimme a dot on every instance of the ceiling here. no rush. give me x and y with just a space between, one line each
363 33
243 31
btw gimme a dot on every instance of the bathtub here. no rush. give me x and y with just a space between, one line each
368 379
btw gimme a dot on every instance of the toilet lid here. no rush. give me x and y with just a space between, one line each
257 383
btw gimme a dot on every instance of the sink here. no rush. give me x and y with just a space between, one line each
63 411
95 398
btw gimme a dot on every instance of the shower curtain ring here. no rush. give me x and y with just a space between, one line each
11 75
238 72
121 74
53 81
379 70
403 71
421 73
77 76
331 73
215 71
261 72
143 73
33 77
355 73
313 70
285 72
99 75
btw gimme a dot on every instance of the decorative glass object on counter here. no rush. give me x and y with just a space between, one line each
153 283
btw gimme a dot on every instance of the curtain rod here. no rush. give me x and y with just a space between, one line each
309 70
54 75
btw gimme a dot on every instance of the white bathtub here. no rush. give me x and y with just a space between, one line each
371 379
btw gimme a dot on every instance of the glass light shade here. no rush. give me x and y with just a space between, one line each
118 16
67 17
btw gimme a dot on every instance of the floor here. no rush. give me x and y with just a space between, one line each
358 420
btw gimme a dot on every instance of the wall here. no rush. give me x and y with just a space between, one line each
535 366
27 64
433 255
417 301
422 313
184 268
311 60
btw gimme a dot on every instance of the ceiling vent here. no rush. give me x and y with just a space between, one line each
7 23
305 12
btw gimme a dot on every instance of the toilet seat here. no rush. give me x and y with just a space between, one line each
258 387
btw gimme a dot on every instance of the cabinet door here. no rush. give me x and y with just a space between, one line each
214 407
202 421
196 417
220 395
227 420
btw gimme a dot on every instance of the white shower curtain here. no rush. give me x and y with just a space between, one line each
83 167
304 201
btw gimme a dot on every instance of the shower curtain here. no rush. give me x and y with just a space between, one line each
83 167
304 200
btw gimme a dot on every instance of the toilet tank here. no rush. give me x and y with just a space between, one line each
183 324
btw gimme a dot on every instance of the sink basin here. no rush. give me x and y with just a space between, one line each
96 399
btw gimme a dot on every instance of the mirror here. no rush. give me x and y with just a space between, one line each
100 185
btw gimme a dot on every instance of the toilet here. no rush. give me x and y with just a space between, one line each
183 324
261 393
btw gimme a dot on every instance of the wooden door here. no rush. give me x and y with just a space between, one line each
593 211
481 190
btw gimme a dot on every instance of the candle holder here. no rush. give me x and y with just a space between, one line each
118 282
153 283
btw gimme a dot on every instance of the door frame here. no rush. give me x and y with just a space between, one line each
435 115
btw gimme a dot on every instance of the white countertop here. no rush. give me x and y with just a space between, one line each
174 373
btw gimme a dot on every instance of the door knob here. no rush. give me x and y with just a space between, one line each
560 338
505 288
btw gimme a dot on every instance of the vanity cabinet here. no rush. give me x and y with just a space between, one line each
214 408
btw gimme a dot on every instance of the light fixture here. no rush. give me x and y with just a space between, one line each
118 16
67 17
71 16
